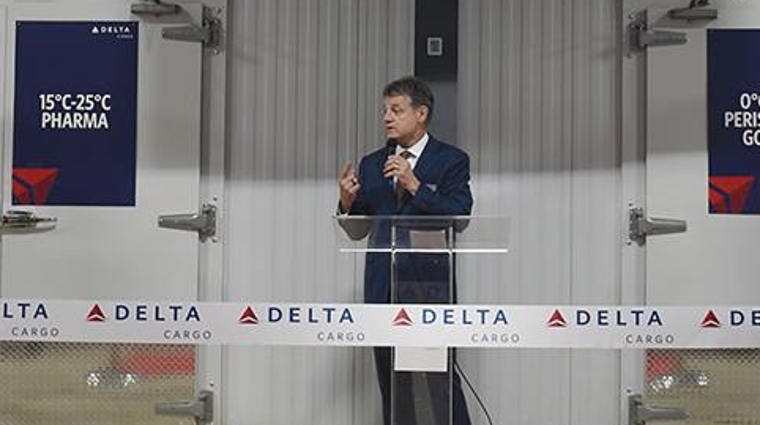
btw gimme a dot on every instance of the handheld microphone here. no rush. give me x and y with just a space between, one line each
390 147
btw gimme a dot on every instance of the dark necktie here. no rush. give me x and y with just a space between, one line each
400 191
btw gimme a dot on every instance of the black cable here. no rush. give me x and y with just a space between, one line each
475 393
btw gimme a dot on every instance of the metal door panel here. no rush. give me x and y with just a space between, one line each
108 252
715 261
119 252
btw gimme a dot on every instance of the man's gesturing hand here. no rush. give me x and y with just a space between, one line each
349 186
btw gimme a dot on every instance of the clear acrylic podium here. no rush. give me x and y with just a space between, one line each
413 260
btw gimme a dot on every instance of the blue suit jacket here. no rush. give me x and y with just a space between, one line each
444 173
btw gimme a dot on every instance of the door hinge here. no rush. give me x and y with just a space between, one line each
639 413
201 409
640 36
204 222
208 32
154 8
695 11
17 221
640 226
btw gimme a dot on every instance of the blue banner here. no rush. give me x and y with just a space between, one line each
75 113
733 121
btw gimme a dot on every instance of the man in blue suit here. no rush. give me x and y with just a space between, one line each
414 174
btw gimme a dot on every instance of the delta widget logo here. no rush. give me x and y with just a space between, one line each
728 194
248 317
556 320
111 29
31 186
710 320
96 314
402 319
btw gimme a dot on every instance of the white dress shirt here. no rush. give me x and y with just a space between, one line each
417 148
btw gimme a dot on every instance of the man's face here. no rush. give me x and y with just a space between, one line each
403 121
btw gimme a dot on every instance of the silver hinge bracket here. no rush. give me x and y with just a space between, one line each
639 413
640 36
640 226
201 409
695 11
204 222
208 33
154 8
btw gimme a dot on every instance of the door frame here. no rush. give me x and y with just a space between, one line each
633 128
633 102
209 361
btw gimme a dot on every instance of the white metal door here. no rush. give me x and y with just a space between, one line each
108 252
715 261
118 252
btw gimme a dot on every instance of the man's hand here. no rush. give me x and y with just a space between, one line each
349 185
398 167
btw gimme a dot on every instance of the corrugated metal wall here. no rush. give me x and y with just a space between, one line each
304 98
538 96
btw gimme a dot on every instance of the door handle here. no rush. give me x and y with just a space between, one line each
19 221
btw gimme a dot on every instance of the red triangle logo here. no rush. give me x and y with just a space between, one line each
248 317
31 186
710 320
729 194
556 320
402 319
96 314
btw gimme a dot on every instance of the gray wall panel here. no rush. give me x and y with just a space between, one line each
304 97
537 96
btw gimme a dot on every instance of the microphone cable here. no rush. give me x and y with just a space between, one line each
472 389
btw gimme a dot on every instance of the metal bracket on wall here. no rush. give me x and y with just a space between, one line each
204 222
640 226
208 33
696 11
155 8
640 36
640 413
201 409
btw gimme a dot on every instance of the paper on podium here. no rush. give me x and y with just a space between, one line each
421 359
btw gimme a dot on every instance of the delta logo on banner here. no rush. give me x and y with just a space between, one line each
10 310
710 320
606 317
735 318
248 317
556 320
402 318
154 313
96 314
